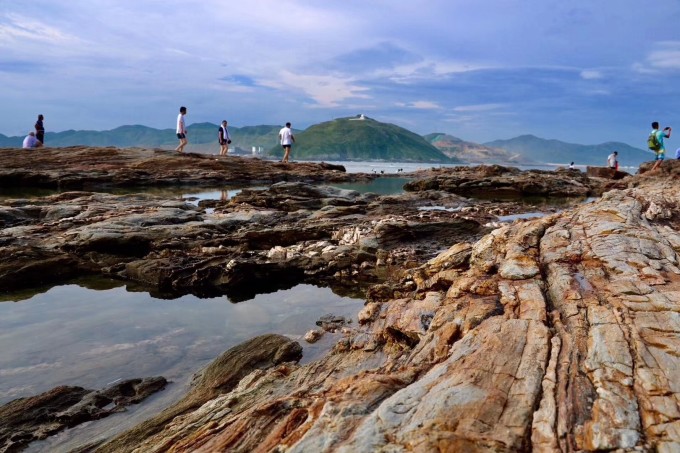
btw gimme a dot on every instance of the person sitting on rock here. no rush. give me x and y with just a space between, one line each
31 141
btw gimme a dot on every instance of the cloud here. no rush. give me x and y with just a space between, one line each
477 108
324 90
666 56
20 28
420 105
382 55
591 74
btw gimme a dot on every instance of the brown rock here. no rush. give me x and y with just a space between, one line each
571 347
27 419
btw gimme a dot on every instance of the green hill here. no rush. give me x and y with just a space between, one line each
361 139
555 151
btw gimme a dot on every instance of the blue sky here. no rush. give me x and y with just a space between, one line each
579 71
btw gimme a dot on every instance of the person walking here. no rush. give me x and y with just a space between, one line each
224 138
40 129
287 139
612 160
656 144
181 130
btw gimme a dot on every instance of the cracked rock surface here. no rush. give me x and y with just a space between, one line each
555 334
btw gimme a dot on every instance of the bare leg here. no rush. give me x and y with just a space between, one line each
657 164
182 143
286 154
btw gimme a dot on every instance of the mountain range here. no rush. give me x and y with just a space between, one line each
554 151
355 138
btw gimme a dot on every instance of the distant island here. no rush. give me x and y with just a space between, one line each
356 138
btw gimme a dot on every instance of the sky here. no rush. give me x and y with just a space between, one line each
579 71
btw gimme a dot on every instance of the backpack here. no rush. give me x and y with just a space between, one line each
653 142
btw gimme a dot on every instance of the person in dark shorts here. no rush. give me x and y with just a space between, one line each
223 138
287 140
181 130
40 129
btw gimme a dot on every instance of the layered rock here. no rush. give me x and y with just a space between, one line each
82 167
556 334
27 419
499 181
288 234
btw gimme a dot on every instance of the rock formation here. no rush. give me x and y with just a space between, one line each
555 334
27 419
499 181
82 167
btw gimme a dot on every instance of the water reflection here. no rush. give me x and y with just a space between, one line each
380 186
73 335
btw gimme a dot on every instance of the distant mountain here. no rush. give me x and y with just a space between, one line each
10 142
362 138
555 151
470 152
201 136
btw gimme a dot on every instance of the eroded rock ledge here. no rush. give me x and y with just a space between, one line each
557 334
83 167
27 419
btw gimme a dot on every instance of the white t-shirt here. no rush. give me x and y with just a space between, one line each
611 161
286 136
180 124
30 142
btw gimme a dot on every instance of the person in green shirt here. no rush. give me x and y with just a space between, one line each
661 149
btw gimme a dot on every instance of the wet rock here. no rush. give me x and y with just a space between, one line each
314 335
552 334
331 323
605 172
220 377
27 419
495 180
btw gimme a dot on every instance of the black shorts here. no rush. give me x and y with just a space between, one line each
286 146
181 136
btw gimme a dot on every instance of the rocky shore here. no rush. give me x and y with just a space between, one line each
553 334
82 167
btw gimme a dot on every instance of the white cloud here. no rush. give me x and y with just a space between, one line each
591 74
421 105
20 28
477 108
666 56
325 90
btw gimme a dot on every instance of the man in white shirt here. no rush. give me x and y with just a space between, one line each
223 138
181 130
612 162
287 140
31 141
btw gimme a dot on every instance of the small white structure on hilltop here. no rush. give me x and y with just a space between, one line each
360 118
